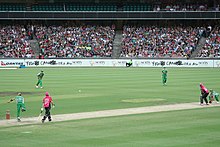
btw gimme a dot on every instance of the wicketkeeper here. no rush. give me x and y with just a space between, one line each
213 96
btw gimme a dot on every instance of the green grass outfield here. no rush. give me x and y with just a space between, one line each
112 88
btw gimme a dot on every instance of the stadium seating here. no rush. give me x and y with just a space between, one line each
14 42
73 7
102 7
137 8
85 41
75 42
12 7
212 45
91 7
159 42
48 7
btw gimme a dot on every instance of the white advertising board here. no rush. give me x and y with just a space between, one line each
216 63
106 63
11 62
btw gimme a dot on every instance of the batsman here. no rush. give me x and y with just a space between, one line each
47 101
20 105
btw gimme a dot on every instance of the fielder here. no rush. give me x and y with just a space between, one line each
40 77
164 76
213 96
20 105
128 64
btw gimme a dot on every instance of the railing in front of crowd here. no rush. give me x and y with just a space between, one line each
108 15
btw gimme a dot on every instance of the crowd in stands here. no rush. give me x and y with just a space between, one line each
57 41
75 42
211 48
157 42
87 41
14 42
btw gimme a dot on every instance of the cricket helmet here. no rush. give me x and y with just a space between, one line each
47 93
201 85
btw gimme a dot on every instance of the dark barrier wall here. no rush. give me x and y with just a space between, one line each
110 15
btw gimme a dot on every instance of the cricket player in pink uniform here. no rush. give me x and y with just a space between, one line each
204 94
47 101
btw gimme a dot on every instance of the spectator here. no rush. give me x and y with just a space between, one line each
212 45
14 42
72 41
157 42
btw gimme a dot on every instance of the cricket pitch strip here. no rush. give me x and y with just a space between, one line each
106 113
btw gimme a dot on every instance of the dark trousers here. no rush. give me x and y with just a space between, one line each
47 114
204 97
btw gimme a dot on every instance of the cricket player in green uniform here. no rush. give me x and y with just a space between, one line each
40 77
164 76
128 64
213 96
20 105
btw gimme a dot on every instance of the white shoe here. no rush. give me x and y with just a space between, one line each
36 86
18 118
41 87
217 102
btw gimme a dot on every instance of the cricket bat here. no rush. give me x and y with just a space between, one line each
41 111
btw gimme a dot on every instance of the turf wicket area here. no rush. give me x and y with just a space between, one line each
92 89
